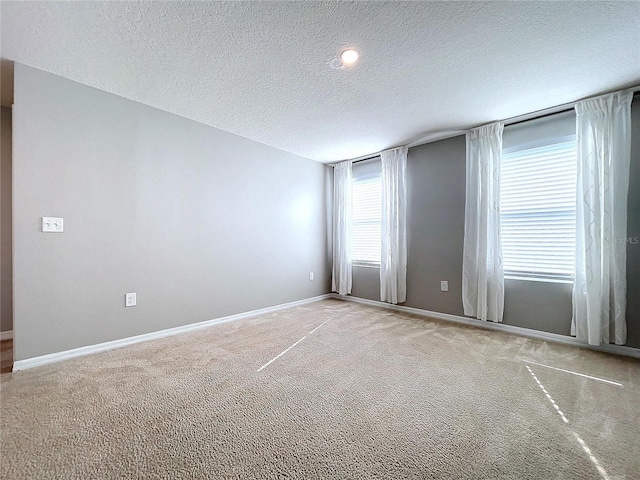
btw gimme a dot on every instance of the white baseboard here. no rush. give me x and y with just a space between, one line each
6 335
101 347
524 332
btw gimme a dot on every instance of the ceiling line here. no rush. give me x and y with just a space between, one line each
545 112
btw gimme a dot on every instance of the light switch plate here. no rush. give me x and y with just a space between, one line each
52 224
444 286
311 276
130 299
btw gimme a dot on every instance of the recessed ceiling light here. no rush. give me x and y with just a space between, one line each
349 57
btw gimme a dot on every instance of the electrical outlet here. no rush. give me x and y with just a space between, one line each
311 276
130 299
52 224
444 286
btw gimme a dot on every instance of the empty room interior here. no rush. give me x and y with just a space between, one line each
320 240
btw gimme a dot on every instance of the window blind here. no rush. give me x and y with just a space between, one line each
538 212
367 213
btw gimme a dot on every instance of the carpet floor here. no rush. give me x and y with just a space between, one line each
330 390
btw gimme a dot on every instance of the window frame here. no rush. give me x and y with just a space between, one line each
521 274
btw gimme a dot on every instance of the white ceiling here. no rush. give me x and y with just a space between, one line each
259 69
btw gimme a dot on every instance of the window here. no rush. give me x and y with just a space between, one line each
538 211
367 213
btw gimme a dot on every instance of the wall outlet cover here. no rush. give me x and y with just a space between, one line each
52 224
130 299
444 286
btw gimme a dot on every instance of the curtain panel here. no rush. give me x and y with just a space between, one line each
393 261
341 278
482 270
603 127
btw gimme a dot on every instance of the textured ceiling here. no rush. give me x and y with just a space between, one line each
259 69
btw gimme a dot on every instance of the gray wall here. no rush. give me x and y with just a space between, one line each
436 183
199 222
436 225
6 305
633 232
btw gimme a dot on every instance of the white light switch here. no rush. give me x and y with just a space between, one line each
130 299
444 286
311 276
52 224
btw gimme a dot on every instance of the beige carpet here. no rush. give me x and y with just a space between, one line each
368 394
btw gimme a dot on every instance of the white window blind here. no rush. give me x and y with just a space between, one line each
367 212
538 211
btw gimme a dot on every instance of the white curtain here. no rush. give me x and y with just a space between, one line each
393 262
482 273
342 207
603 128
